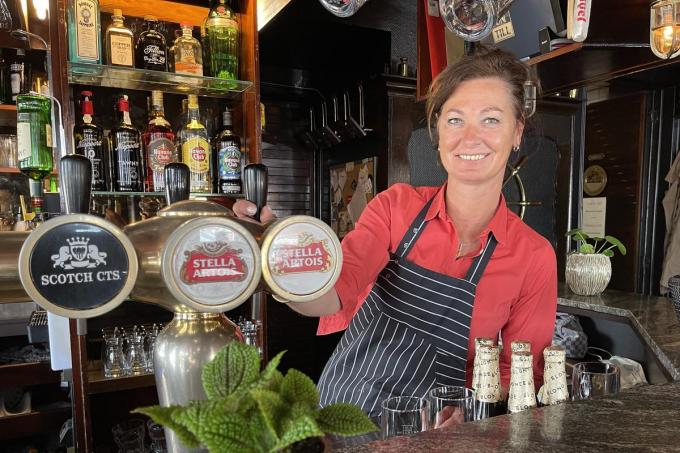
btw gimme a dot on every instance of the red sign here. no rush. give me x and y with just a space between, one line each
202 267
294 259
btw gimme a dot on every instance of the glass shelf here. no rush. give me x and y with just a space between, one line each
162 194
140 79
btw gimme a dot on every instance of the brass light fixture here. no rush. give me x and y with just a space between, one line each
664 28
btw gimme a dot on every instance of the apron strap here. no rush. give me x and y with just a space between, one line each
413 231
477 267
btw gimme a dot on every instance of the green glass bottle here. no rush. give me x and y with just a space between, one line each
84 31
222 31
34 135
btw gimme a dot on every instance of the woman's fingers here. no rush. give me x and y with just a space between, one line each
448 416
245 209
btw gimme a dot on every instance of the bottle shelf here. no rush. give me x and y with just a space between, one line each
144 80
162 194
97 383
8 115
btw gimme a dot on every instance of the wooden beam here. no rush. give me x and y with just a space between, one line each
267 10
162 9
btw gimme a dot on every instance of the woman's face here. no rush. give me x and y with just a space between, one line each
477 131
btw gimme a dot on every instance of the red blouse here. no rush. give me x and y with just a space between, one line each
517 295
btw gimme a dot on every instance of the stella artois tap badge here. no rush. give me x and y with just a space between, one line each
307 255
302 258
213 262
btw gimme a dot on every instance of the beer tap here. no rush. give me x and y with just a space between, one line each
255 182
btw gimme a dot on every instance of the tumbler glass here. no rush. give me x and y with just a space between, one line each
591 379
136 361
113 358
157 435
8 150
129 435
404 415
450 405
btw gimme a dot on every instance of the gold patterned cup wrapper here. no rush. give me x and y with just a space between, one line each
479 341
489 377
520 346
554 390
522 394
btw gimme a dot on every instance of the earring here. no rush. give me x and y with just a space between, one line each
515 148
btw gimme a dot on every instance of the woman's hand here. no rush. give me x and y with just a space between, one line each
245 209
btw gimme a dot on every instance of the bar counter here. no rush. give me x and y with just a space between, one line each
643 419
652 317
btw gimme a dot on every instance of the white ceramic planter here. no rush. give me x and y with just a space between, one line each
588 274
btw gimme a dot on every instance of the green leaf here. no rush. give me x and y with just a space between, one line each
272 366
272 409
262 436
344 419
220 431
164 416
298 387
233 369
586 248
608 253
577 234
302 428
619 245
271 378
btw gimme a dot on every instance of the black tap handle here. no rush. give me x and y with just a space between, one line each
75 178
177 184
255 186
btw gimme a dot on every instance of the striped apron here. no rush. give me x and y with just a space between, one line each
410 335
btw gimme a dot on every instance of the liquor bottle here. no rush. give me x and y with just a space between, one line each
88 139
84 31
159 145
119 42
480 341
488 391
222 30
151 49
34 135
522 393
171 51
193 140
127 151
227 158
554 390
19 75
188 53
206 52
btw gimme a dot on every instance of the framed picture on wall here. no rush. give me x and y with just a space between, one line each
352 187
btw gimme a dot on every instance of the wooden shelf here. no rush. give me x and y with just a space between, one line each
35 422
8 115
9 170
97 383
26 374
555 53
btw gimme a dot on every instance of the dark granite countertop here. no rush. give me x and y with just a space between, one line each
653 317
643 419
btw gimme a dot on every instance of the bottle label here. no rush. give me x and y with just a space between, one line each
229 162
91 148
191 68
195 153
121 50
87 29
15 83
154 55
160 152
48 135
23 141
128 165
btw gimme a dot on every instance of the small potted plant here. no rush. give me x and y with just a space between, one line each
248 410
589 269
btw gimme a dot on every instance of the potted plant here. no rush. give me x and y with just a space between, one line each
589 269
248 410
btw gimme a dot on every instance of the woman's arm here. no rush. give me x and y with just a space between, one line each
532 316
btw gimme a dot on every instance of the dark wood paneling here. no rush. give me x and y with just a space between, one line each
615 129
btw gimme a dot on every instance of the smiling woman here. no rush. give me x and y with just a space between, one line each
429 269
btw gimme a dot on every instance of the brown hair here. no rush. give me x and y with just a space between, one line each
484 62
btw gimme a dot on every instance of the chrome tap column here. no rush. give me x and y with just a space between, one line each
199 261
